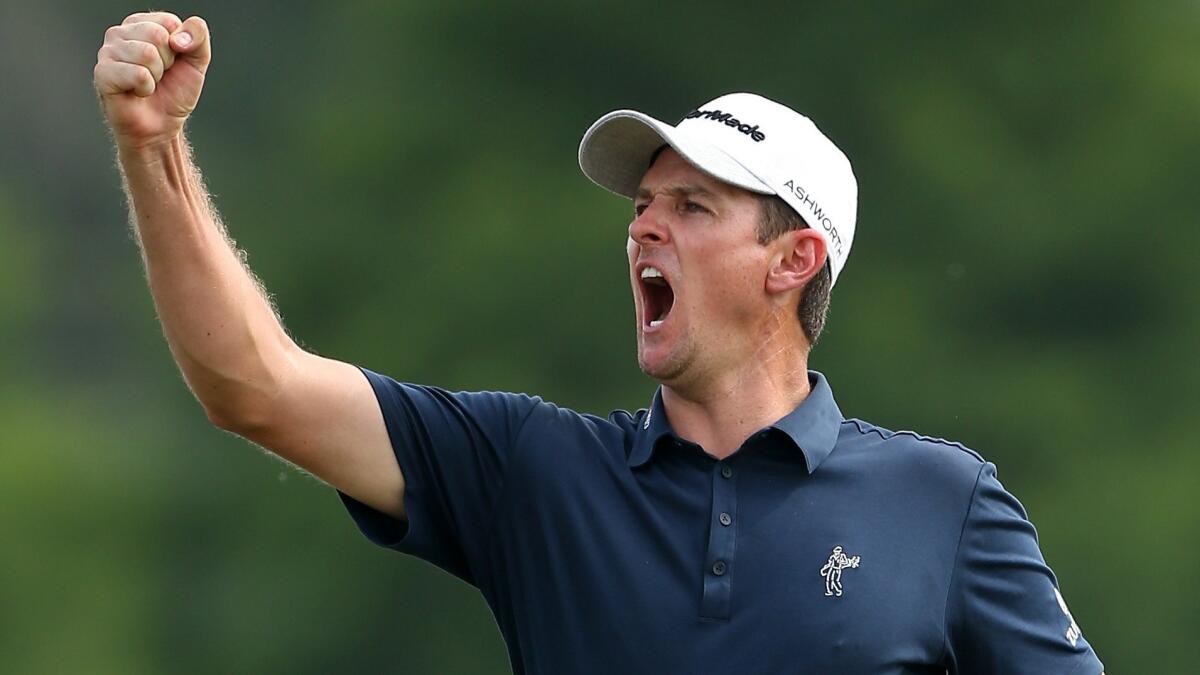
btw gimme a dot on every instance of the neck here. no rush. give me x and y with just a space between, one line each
754 392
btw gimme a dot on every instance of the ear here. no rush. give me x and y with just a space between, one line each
797 257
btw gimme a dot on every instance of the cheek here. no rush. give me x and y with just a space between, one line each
735 285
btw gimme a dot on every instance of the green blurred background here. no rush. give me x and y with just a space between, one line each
404 178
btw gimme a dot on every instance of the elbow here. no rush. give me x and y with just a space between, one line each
245 405
225 419
222 419
244 419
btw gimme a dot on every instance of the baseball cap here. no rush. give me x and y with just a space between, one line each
744 140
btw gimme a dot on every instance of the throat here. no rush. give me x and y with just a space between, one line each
720 414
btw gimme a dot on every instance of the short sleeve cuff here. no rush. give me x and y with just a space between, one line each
378 527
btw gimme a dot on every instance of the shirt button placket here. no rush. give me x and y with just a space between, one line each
717 595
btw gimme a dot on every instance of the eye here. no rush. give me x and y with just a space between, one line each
693 207
639 208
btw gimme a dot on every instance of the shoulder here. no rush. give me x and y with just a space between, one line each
550 421
527 420
870 435
908 455
628 422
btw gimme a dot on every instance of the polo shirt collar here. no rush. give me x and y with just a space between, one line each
815 424
653 427
812 427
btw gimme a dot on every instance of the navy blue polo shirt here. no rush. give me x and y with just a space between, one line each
823 545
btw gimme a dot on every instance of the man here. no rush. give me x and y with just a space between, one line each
832 571
689 537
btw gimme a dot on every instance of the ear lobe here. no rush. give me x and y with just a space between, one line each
798 258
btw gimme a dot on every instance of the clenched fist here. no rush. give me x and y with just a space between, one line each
149 74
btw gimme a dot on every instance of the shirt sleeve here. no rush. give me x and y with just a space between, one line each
453 449
1005 613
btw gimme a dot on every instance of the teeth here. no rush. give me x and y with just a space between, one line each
650 272
656 322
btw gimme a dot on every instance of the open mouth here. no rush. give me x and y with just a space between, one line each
657 297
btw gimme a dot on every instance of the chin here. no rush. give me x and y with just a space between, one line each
667 355
665 368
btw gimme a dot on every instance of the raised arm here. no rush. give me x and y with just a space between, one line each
248 374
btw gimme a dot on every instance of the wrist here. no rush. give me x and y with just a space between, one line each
150 151
164 164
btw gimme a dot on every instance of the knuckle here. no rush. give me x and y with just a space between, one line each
147 53
132 18
113 33
159 35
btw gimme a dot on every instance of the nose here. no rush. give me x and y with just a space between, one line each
650 228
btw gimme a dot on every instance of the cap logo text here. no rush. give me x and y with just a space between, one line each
730 121
818 213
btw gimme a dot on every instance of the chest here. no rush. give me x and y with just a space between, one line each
748 558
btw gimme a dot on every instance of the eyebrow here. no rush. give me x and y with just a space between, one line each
680 191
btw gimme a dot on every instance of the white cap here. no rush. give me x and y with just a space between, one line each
744 140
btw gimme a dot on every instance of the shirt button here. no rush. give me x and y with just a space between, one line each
726 519
719 567
726 471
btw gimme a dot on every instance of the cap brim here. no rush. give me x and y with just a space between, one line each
615 153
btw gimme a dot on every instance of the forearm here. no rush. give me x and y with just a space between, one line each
218 321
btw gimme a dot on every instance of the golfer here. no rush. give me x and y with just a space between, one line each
695 536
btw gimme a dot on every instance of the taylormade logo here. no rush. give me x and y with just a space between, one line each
730 121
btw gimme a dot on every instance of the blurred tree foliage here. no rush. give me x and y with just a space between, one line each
404 178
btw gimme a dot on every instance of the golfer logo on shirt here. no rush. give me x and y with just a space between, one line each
832 571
